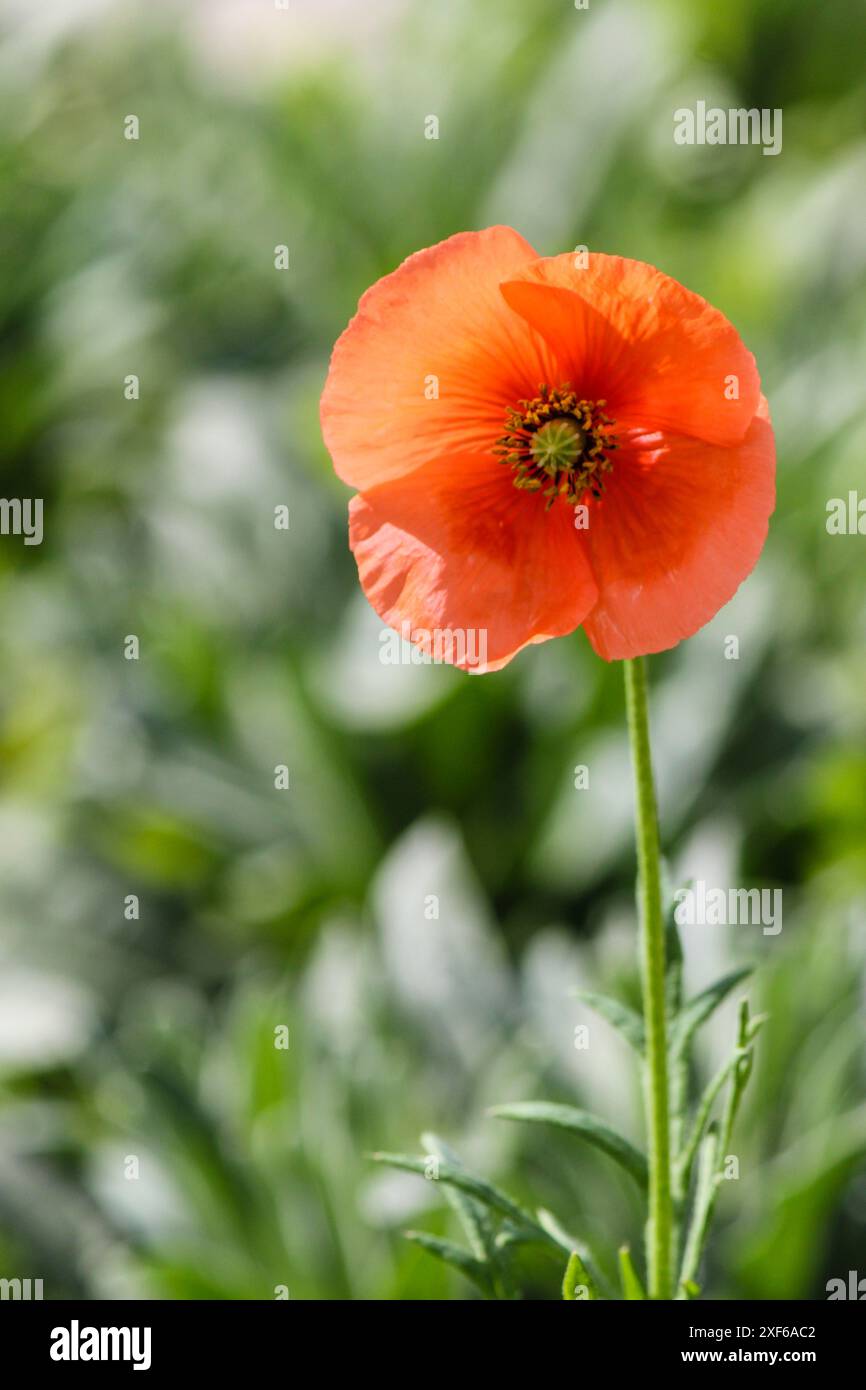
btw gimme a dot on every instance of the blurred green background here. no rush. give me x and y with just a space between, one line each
153 1039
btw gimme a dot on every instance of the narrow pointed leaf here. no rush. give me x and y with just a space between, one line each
624 1019
702 1206
702 1118
473 1216
455 1256
697 1010
589 1127
570 1245
467 1182
549 1223
509 1235
577 1277
673 963
631 1284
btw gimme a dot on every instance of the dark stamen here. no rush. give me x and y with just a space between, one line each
558 444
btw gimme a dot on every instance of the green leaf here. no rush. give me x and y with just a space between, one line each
509 1235
697 1010
702 1208
703 1111
473 1217
618 1015
576 1277
467 1182
455 1256
673 963
476 1221
631 1284
589 1127
549 1223
679 1072
755 1025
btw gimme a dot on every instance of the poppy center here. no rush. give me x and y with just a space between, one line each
558 444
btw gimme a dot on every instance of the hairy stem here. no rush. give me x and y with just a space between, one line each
660 1223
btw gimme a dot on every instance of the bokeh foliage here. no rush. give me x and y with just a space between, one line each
154 1038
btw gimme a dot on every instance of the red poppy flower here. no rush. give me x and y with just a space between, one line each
538 446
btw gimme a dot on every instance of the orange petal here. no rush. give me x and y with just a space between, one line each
680 526
657 353
439 321
457 548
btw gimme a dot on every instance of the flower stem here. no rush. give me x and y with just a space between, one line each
660 1224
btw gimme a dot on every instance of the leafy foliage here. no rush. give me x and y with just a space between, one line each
708 1139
